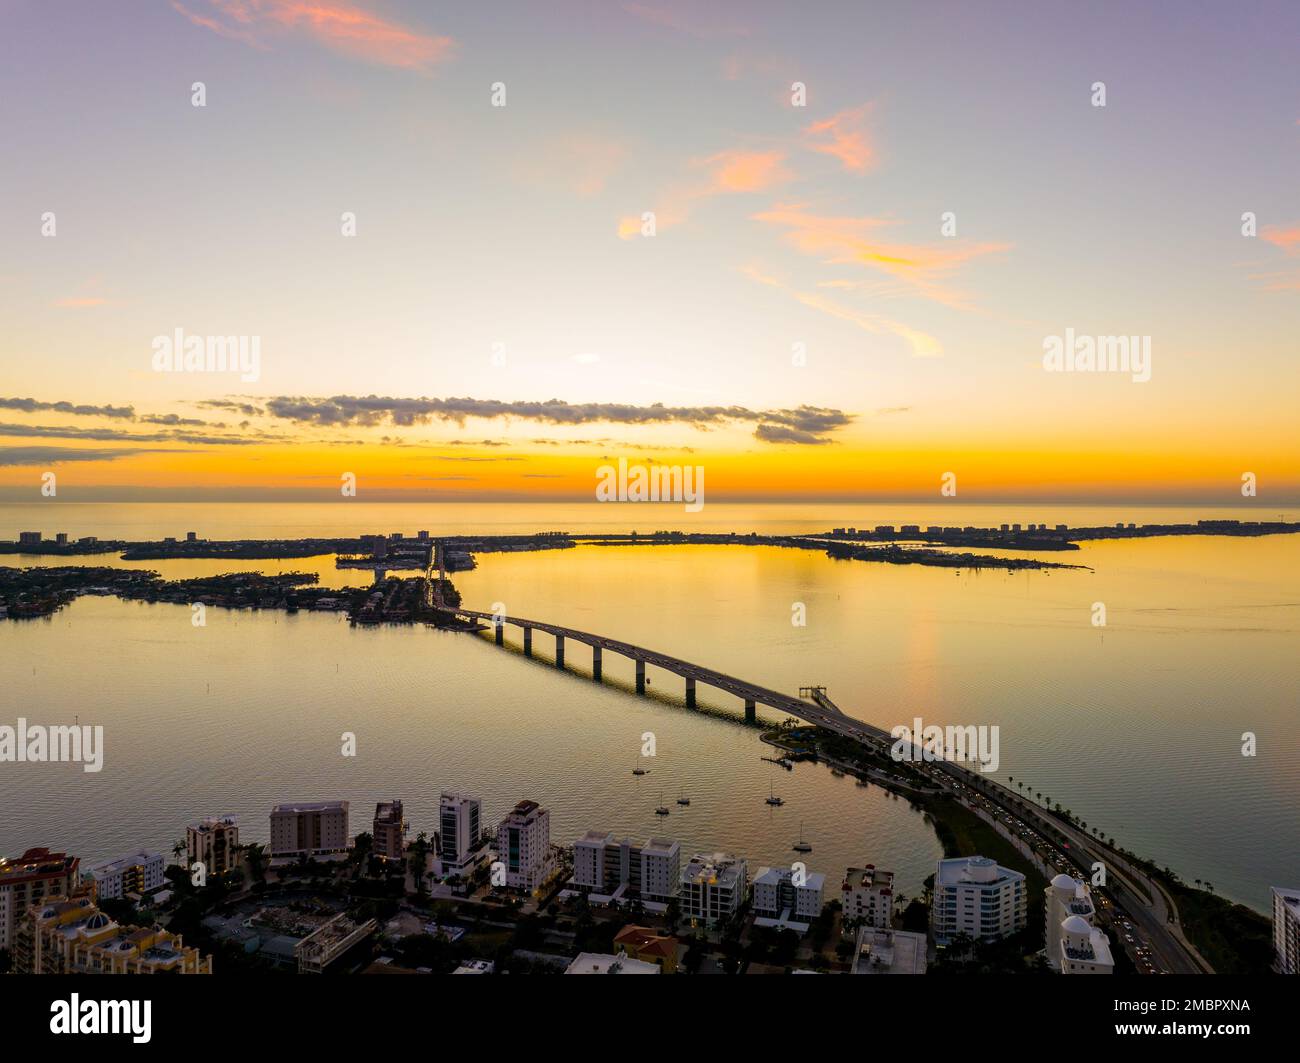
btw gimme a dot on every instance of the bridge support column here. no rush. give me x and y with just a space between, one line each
751 715
559 651
528 642
640 677
500 633
595 663
690 692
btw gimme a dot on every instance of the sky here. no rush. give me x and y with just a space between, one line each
869 222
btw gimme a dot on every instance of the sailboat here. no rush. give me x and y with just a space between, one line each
662 810
638 770
682 799
772 798
801 846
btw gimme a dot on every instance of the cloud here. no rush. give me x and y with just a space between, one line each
724 173
1287 239
339 25
844 136
920 344
34 406
374 410
580 163
774 433
746 171
13 456
31 431
922 268
234 406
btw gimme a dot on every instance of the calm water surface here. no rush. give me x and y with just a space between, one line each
1135 726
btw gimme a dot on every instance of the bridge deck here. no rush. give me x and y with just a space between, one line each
823 715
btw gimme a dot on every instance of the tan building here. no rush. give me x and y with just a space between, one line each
214 843
28 880
867 897
316 828
72 936
390 831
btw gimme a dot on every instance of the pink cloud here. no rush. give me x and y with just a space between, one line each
337 24
1287 239
845 136
745 171
727 173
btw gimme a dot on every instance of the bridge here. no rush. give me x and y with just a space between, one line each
814 707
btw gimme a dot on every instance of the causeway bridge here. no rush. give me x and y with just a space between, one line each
813 707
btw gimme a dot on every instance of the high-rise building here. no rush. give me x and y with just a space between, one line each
1074 944
611 870
867 896
28 880
460 830
712 887
782 896
72 936
524 846
389 837
975 896
317 828
213 842
139 872
1286 930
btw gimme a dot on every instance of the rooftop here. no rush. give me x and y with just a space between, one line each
310 806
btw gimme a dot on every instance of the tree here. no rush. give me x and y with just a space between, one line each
416 862
362 845
255 861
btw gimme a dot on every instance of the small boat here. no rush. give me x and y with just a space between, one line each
638 770
682 799
772 799
801 846
662 810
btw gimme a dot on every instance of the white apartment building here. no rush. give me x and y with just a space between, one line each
311 828
212 842
974 895
524 846
783 899
1074 944
138 872
868 898
1286 930
459 829
712 887
609 870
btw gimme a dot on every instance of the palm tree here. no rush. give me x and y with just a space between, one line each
177 849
